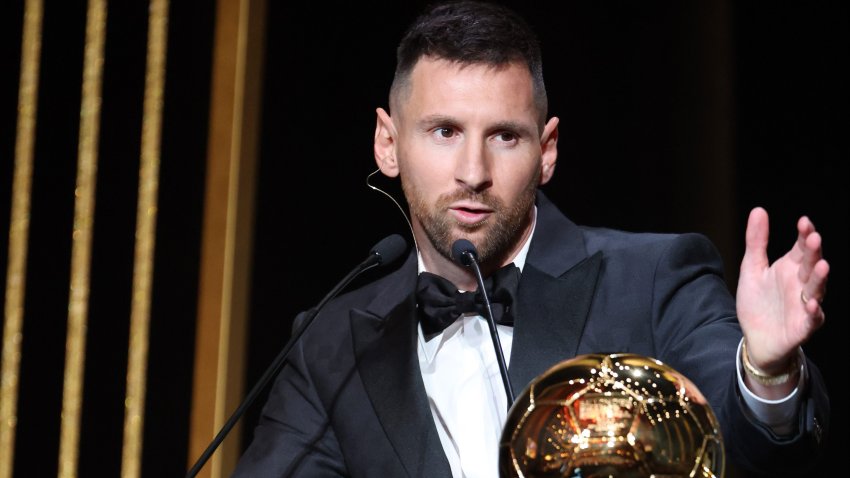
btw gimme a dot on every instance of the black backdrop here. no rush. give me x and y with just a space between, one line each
673 115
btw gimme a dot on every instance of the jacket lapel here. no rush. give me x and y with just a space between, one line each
551 313
554 296
385 348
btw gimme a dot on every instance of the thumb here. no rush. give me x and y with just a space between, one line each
758 228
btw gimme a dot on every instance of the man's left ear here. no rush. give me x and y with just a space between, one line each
549 150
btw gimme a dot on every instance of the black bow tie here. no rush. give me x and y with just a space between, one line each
440 303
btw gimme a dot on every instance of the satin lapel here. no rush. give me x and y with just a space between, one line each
387 361
550 316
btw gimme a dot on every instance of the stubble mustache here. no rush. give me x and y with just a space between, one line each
493 203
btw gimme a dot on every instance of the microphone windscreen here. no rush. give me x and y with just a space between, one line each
389 248
460 249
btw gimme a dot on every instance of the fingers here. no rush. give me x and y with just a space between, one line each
805 226
809 254
813 270
815 315
814 288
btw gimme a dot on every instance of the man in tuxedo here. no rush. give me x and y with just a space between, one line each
379 387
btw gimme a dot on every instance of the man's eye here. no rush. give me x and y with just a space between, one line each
444 132
506 137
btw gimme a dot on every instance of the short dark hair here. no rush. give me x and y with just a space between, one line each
471 32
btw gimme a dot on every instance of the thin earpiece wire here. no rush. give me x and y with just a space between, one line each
375 188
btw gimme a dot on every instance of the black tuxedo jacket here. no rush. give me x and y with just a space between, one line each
351 402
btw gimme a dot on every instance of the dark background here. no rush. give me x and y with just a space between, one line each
675 116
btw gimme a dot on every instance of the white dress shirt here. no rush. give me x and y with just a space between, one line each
467 396
465 389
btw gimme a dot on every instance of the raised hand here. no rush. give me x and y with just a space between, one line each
779 304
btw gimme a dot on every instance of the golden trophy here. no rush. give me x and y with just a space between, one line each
611 415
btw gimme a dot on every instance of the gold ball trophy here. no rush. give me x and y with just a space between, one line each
611 415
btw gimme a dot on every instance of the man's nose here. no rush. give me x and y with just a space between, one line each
473 167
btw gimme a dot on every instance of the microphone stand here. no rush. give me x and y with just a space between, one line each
390 246
469 259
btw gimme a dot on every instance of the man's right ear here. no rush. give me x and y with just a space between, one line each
385 144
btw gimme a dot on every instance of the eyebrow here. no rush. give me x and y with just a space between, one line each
431 121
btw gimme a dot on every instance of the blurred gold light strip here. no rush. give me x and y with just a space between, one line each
84 194
145 240
19 232
223 294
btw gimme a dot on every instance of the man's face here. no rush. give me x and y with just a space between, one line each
469 154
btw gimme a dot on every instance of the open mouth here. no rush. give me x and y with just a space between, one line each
470 215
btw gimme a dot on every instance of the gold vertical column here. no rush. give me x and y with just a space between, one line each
227 232
19 232
134 403
84 195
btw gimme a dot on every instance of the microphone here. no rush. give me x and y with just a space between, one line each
464 252
385 251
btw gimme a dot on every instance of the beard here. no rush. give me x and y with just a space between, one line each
502 229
